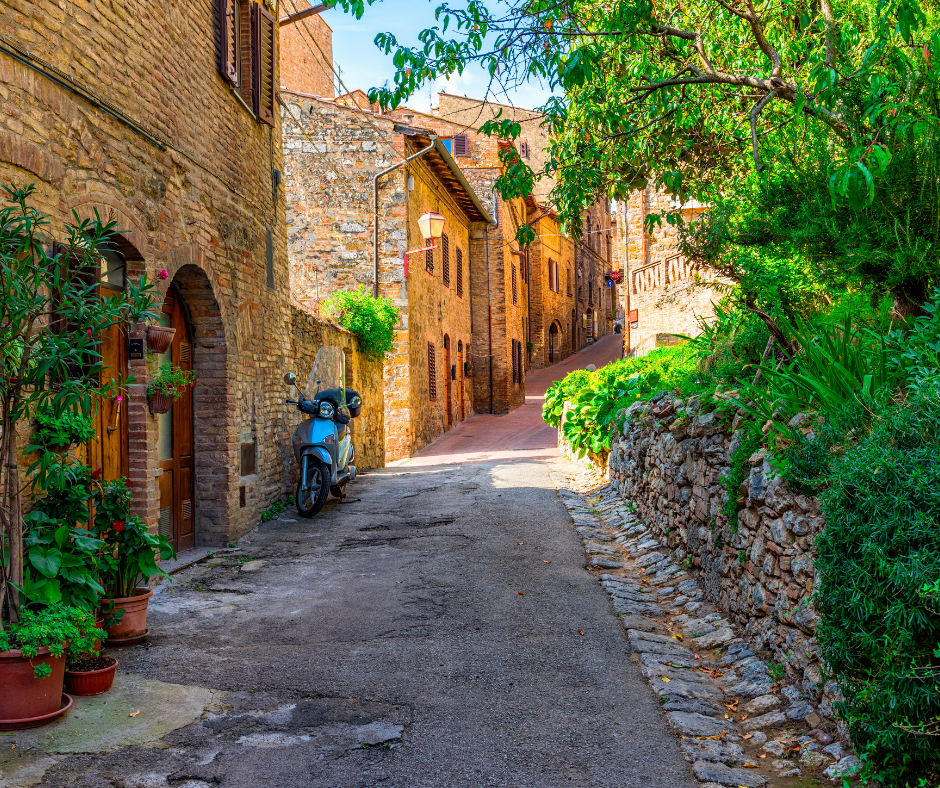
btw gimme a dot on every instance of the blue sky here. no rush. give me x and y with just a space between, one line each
364 66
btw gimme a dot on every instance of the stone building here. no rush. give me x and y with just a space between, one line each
333 150
171 129
597 298
306 55
662 293
552 288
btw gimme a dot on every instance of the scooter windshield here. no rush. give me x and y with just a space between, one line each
329 372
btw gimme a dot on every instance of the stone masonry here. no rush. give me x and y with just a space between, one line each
668 462
185 168
663 295
332 151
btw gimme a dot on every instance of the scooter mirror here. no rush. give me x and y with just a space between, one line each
290 379
356 402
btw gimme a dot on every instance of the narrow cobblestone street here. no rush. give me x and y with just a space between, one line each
438 628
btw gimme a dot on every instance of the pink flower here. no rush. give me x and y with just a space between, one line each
120 398
164 274
88 331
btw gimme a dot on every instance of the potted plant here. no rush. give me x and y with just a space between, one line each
32 663
48 566
87 672
127 559
159 338
167 384
60 430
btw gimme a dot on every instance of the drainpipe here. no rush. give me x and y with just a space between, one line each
489 300
375 212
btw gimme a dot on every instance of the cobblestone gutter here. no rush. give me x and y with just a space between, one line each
743 721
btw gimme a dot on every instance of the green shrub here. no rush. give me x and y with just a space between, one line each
372 320
878 594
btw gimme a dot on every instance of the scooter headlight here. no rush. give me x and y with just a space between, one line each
326 410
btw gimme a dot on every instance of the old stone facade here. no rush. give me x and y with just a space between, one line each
187 165
332 152
668 461
597 298
662 294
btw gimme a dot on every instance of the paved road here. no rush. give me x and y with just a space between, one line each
386 642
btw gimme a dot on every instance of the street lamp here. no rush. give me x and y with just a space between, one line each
431 225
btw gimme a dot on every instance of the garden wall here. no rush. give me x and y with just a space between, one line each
668 460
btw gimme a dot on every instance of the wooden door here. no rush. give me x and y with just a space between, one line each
107 451
448 387
175 441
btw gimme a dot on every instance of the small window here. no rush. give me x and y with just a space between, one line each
514 296
445 260
568 281
248 458
459 273
429 261
524 149
448 145
461 146
432 373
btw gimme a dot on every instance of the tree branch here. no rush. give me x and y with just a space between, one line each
758 107
762 42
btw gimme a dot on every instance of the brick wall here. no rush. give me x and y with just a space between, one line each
198 204
667 295
307 56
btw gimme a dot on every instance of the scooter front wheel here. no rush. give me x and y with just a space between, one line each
312 492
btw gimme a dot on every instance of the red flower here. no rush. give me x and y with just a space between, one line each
96 474
127 483
119 525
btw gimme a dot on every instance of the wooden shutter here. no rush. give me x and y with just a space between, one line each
246 84
429 261
228 22
459 273
460 145
514 283
432 373
445 260
263 63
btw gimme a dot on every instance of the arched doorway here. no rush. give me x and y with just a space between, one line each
574 331
175 441
460 408
448 388
553 348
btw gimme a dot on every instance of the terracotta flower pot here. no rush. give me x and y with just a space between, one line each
91 682
160 403
134 623
24 699
159 338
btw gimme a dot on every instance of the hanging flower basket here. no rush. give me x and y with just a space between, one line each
159 338
160 402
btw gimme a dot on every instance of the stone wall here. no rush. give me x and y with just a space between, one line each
668 462
308 335
664 294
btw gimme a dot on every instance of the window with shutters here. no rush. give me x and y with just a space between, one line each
429 261
568 281
459 273
247 59
513 351
524 149
461 147
432 373
445 260
514 297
